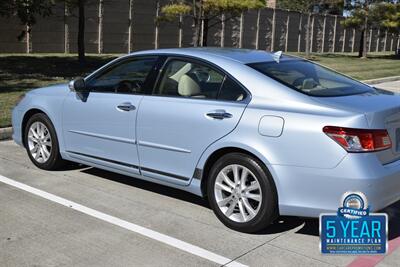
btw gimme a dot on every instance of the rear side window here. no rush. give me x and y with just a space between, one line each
231 91
182 78
188 79
310 78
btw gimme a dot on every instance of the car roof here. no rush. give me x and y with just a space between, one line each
244 56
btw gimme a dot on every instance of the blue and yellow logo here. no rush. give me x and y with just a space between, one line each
353 230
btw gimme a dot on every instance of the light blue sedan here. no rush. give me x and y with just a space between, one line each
258 134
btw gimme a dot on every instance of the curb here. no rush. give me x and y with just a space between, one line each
6 133
382 80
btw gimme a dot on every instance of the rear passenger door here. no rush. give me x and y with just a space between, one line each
193 105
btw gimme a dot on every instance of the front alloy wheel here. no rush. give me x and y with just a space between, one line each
242 193
39 142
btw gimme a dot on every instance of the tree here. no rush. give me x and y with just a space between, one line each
388 16
366 14
311 7
204 11
80 5
333 7
26 10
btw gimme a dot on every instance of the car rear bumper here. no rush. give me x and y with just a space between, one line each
309 192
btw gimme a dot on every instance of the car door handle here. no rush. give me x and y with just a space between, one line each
126 106
219 114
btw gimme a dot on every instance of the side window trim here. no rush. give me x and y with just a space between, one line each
100 72
222 85
226 75
186 59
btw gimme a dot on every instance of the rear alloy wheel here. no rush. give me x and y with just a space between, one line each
241 193
41 143
238 193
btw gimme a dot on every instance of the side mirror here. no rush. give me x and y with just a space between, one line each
77 85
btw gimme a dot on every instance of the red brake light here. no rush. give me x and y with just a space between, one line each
359 140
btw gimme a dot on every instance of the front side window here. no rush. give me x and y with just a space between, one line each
187 79
310 78
126 78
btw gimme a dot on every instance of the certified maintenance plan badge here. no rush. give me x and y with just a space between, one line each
353 230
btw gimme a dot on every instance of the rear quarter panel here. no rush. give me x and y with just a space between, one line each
302 142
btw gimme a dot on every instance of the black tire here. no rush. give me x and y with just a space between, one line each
54 161
268 210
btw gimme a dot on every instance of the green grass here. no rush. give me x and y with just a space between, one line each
20 72
377 65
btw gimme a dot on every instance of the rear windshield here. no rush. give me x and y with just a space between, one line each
310 78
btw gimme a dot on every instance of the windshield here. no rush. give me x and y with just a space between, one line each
310 78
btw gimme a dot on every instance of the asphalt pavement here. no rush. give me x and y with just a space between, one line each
35 230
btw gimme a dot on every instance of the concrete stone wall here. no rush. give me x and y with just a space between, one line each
266 29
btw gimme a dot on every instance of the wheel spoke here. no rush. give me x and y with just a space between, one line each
46 137
251 187
227 180
243 177
231 208
35 148
45 152
41 130
225 201
38 153
235 171
47 143
223 187
32 133
38 129
248 207
32 138
242 211
255 197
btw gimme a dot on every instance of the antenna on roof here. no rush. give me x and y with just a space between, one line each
277 56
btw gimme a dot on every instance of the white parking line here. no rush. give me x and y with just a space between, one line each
179 244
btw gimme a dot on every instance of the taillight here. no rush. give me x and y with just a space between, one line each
359 140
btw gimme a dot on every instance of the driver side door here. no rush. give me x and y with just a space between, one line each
99 125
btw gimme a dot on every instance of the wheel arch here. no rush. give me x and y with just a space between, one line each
216 154
28 114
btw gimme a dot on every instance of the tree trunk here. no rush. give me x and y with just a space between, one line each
361 49
364 39
100 28
197 23
81 31
308 35
66 29
205 31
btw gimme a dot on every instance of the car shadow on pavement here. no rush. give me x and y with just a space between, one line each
149 186
393 212
69 166
309 226
282 224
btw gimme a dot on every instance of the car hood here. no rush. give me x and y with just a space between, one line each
56 89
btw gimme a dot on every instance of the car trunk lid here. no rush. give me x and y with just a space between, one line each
382 111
